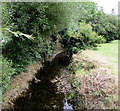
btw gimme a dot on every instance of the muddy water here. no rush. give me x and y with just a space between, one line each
42 94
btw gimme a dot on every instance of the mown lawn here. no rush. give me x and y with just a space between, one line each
110 52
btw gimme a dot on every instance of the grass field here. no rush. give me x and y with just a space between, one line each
110 52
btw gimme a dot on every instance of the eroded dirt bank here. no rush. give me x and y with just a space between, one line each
19 83
41 92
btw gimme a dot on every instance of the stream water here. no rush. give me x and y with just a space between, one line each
42 94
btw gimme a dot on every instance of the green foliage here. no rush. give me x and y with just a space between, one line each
85 37
108 99
76 82
24 51
100 39
38 18
107 26
84 67
7 72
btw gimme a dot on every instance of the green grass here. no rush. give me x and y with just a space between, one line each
110 52
80 71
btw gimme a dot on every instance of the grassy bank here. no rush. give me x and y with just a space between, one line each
109 51
97 81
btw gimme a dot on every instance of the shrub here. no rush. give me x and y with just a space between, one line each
7 72
23 51
81 38
100 39
86 34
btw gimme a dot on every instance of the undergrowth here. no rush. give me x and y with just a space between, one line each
92 88
7 72
23 52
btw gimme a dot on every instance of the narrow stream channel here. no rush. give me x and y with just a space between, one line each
42 94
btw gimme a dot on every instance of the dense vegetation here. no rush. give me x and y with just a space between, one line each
80 25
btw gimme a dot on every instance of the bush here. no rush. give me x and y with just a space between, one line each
100 39
81 38
23 51
7 72
86 34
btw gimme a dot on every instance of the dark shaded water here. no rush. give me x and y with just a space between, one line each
42 95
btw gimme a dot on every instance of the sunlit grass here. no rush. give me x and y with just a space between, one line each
110 53
80 71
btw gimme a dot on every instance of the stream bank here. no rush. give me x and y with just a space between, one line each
85 81
42 93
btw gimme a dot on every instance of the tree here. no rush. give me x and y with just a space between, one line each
36 18
107 26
